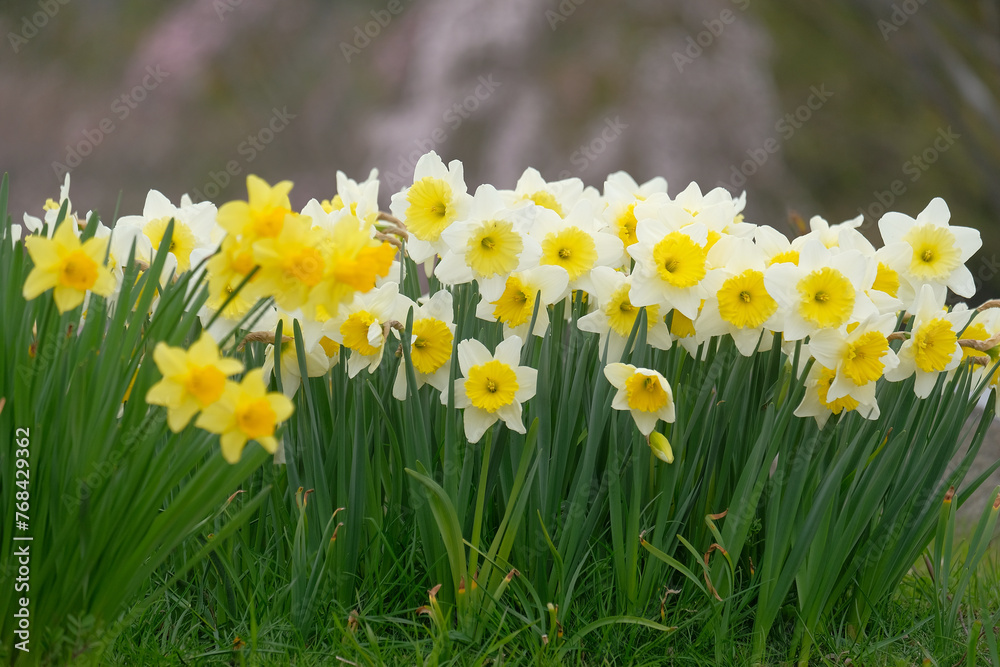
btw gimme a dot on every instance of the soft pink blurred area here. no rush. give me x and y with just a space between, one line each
812 109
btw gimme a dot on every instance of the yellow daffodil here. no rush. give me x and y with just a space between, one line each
246 411
262 215
193 379
68 267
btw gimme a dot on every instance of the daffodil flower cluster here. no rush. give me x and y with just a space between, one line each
859 315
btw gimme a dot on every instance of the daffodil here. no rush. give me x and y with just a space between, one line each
317 364
492 386
515 304
359 199
614 315
437 198
194 229
557 196
621 195
353 259
246 411
934 253
361 326
859 355
670 266
262 215
193 379
829 234
776 247
67 267
36 225
430 345
825 290
577 243
293 263
818 403
741 305
932 347
716 210
643 392
490 243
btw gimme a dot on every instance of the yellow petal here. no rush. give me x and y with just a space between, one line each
281 405
43 252
165 392
269 443
39 281
172 361
67 298
178 418
232 445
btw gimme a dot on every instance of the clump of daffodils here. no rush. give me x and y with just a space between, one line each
860 315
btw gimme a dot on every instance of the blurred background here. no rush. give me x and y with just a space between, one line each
832 109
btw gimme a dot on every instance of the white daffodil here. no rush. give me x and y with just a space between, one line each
825 290
817 402
36 225
194 229
558 196
670 266
614 316
621 195
934 253
491 243
859 357
577 243
360 326
437 198
317 364
741 305
643 392
513 302
776 247
716 210
932 347
885 283
492 386
830 234
430 345
359 199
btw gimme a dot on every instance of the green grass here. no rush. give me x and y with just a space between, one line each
179 630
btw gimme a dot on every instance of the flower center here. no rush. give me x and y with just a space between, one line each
78 271
206 384
430 210
934 345
491 386
680 262
827 298
256 418
432 348
645 393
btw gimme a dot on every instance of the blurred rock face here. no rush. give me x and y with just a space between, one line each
201 93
